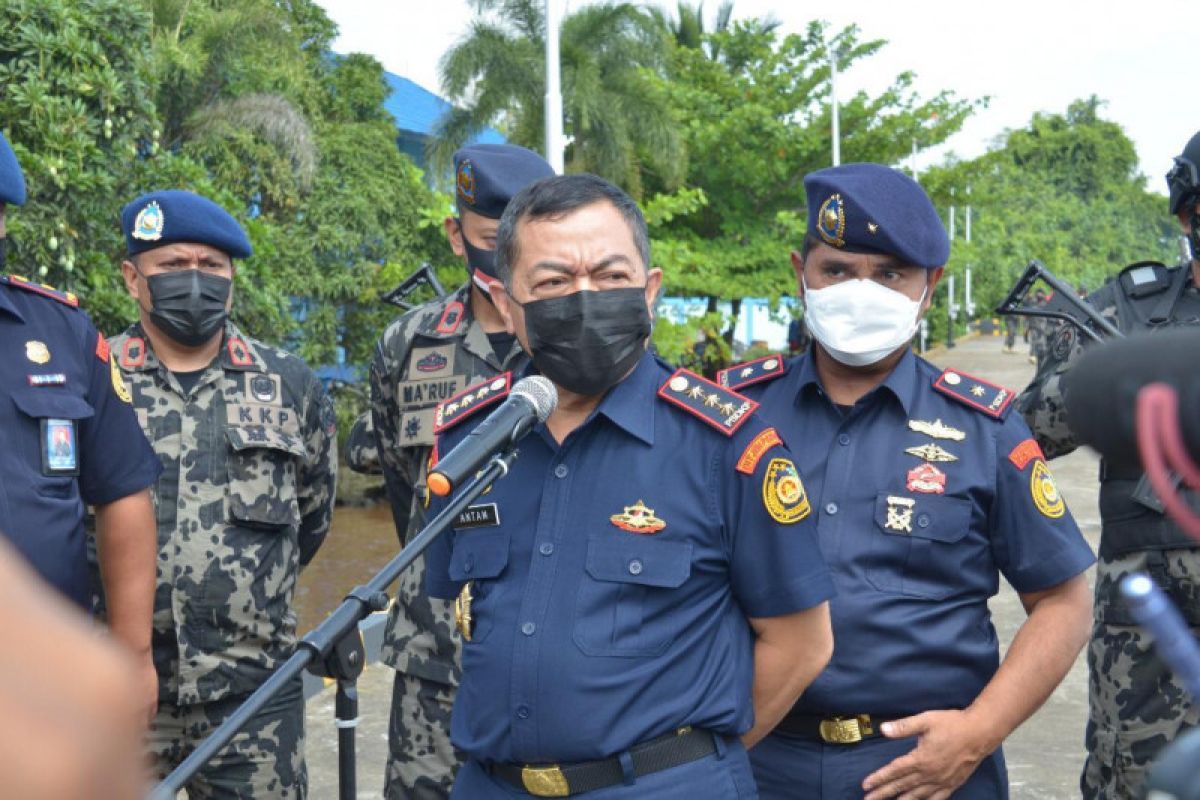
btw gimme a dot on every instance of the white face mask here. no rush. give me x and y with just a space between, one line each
859 322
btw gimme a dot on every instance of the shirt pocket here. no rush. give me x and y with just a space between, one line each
262 477
920 550
626 600
480 557
42 403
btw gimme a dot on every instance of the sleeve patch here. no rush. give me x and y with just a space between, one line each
976 393
754 451
783 493
749 373
721 408
1045 492
102 351
1025 452
470 400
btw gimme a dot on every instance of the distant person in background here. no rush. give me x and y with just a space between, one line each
1010 333
1036 329
798 337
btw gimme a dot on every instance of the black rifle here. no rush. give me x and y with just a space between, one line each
424 276
1062 305
335 650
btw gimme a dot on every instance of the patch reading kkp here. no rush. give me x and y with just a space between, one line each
783 493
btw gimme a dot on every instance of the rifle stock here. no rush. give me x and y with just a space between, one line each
1077 312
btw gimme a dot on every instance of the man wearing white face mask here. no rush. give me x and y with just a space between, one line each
927 490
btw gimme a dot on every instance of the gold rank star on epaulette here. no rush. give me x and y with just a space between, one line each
722 408
739 376
44 289
975 392
471 400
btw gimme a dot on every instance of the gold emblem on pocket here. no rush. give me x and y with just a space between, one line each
462 611
899 514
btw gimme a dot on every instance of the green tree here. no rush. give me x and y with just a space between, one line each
615 121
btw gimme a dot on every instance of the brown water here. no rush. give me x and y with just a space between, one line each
361 541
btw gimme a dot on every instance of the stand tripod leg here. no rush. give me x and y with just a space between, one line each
346 711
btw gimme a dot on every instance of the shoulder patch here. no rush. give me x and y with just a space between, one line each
451 318
759 445
981 395
470 400
44 289
102 350
722 408
749 373
133 352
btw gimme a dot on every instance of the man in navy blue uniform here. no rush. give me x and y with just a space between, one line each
68 437
644 587
925 490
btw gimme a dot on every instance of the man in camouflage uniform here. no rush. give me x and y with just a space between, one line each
425 357
246 436
1035 330
1136 705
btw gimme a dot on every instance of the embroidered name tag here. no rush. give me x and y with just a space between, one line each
484 516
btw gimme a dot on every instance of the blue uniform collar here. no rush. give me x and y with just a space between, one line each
629 405
901 383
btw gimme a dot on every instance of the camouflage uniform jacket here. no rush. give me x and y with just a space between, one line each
244 500
431 353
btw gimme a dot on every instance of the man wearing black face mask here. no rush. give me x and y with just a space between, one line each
423 358
68 438
642 594
246 435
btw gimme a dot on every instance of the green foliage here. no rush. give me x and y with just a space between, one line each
1064 190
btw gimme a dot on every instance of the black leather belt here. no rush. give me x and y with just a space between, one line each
564 780
834 729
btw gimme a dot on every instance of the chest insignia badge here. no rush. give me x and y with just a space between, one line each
1045 491
783 493
432 362
937 429
55 379
263 388
37 352
899 514
637 518
462 612
931 452
927 479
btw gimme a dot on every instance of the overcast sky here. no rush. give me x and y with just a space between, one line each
1026 56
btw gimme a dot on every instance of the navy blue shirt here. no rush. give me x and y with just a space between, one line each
66 438
916 542
588 637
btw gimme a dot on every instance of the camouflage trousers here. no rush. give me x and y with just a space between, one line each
1136 706
421 761
264 761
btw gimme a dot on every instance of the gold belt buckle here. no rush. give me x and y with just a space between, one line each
846 730
545 781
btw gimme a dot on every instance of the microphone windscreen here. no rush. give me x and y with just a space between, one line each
1101 389
540 393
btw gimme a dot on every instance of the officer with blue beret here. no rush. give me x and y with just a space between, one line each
246 436
430 353
925 489
70 439
642 596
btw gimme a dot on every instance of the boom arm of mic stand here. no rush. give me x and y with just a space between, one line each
1035 270
344 620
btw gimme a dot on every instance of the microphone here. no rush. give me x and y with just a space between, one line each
531 401
1101 390
1173 640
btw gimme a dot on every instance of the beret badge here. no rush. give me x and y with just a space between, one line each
465 181
831 221
148 226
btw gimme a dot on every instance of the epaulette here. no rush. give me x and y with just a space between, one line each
724 409
977 393
44 289
470 400
739 376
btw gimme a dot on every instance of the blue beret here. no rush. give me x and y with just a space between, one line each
12 182
160 218
875 209
486 176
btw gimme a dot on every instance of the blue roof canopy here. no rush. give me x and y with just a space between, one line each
416 109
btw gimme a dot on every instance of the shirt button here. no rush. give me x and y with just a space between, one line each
546 548
923 521
561 471
528 628
831 508
635 567
523 712
843 439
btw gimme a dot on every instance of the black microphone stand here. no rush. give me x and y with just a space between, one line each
337 648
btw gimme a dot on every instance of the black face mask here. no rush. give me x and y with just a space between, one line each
587 341
188 305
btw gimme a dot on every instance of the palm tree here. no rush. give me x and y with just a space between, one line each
687 27
615 122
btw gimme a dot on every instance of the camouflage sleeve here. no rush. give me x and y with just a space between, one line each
385 421
317 482
1041 403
